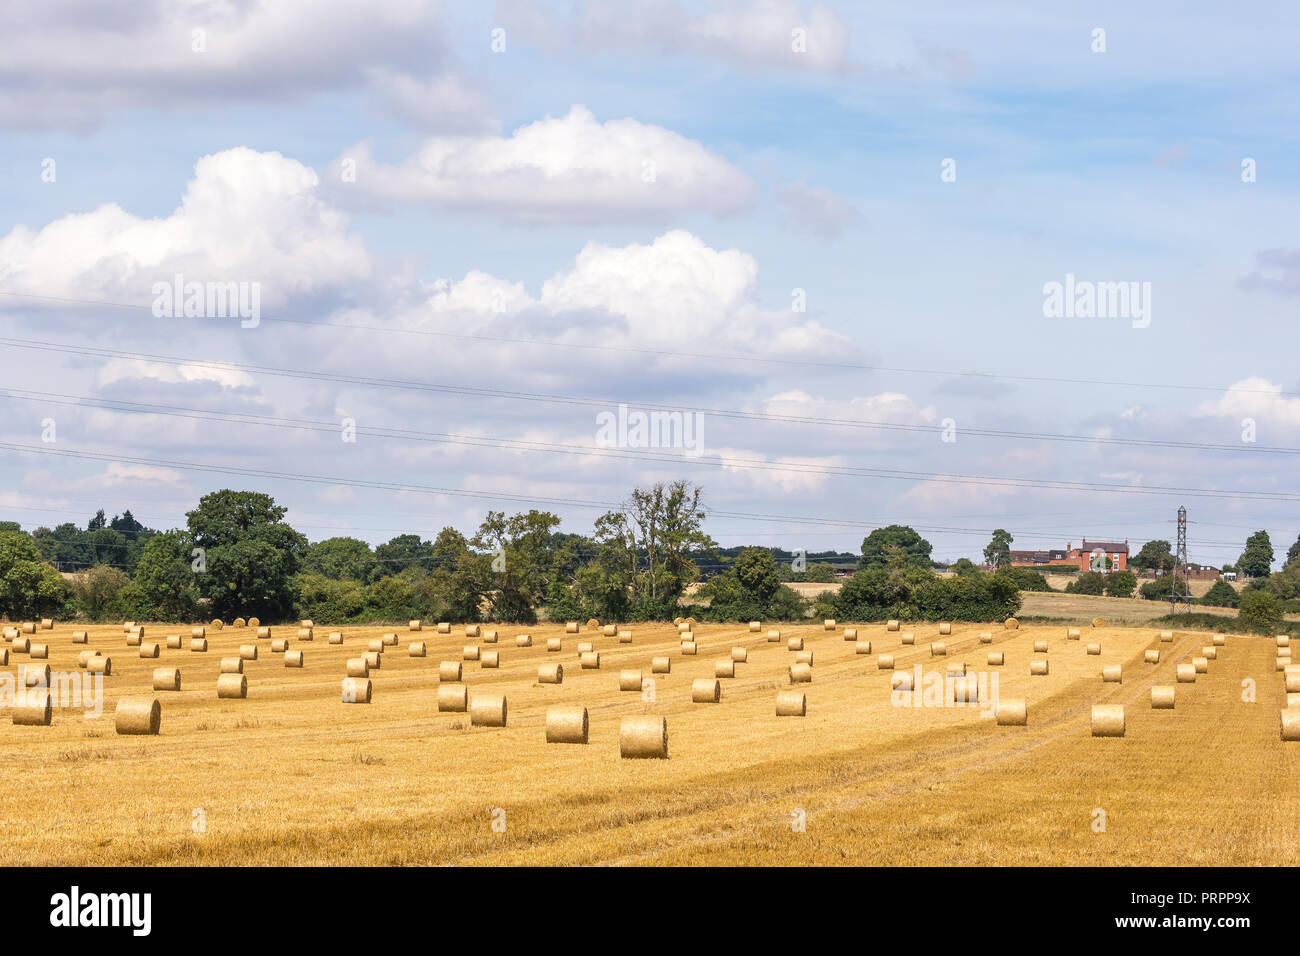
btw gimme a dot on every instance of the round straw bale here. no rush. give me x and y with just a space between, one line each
22 645
389 639
100 665
1040 647
1098 622
357 667
625 637
643 737
198 632
550 674
938 649
47 624
1151 656
279 645
253 622
471 630
682 625
1094 649
469 652
358 690
909 638
862 647
828 624
126 626
661 665
850 634
306 634
1201 664
133 640
1290 723
585 647
996 659
10 633
553 644
198 645
571 627
33 709
1012 712
566 725
1108 720
592 623
487 710
375 646
1283 640
794 644
1072 634
1210 652
630 680
1219 640
248 652
239 622
986 637
1113 674
791 703
1283 663
166 678
739 654
885 662
232 686
688 650
444 627
526 640
42 651
966 690
724 668
216 624
773 636
415 626
490 637
945 628
686 636
307 622
1293 700
892 625
81 637
755 627
1011 624
82 658
1167 636
610 630
901 680
416 649
173 642
373 661
149 649
139 715
955 668
590 661
1038 668
293 658
800 673
1186 673
1284 653
36 676
490 659
28 627
1162 697
232 665
453 698
706 691
1293 683
804 657
4 656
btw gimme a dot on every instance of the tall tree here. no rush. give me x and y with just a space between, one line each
998 551
1257 560
1153 556
1293 552
895 544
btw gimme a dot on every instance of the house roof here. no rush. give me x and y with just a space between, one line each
1105 545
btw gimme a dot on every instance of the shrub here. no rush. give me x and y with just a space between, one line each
1162 588
1090 582
918 594
1221 594
1026 579
1121 583
1260 611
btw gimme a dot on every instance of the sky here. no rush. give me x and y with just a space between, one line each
822 234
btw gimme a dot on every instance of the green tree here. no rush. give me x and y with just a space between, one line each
165 579
1153 556
964 566
98 592
28 587
249 554
343 559
755 571
1221 594
1089 582
406 552
1293 552
667 527
998 551
1121 583
1257 559
518 552
896 544
1260 611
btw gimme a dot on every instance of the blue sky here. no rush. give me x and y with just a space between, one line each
500 194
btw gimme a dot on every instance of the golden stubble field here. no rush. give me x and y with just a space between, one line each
292 775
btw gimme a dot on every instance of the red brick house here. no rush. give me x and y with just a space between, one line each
1080 557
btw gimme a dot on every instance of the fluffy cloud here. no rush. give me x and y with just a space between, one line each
567 169
1255 398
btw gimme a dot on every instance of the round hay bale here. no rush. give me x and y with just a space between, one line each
1113 674
29 627
724 668
490 660
1186 674
389 639
216 624
965 690
82 658
47 624
487 710
571 627
625 637
376 646
373 661
471 630
166 678
80 637
955 668
1167 637
938 649
415 626
10 633
357 667
36 676
41 652
253 622
1162 697
127 626
706 691
590 661
526 640
358 690
1290 724
804 657
33 709
1108 720
553 644
100 665
1094 649
629 681
688 650
1293 683
336 637
740 655
755 627
1011 624
794 644
800 673
862 647
1040 647
232 665
4 656
232 686
996 659
198 645
1201 664
198 632
444 627
416 649
469 652
885 662
791 703
1073 634
592 624
248 652
453 698
686 636
986 637
173 642
585 647
149 650
1038 668
945 628
828 624
566 725
307 623
1283 640
909 639
661 665
850 634
643 738
279 645
138 716
892 625
1210 652
610 630
773 636
490 637
1098 622
901 680
293 658
550 674
239 622
23 645
306 634
132 640
1012 712
691 621
1151 656
1219 640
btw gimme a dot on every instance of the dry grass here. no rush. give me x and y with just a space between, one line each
397 782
